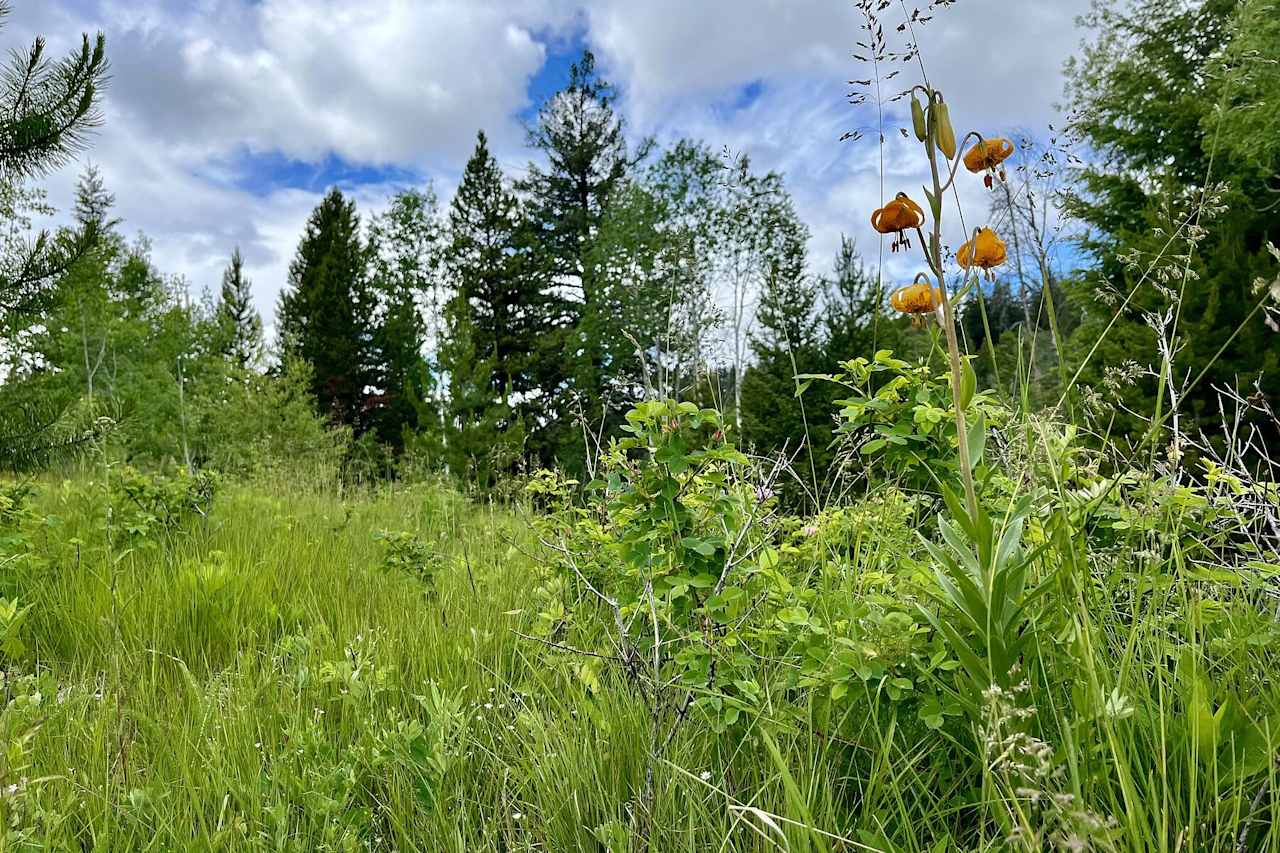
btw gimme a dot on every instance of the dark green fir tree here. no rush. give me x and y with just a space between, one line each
325 314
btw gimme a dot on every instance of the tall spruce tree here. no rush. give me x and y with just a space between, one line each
585 147
849 307
493 322
94 202
238 321
325 314
483 430
490 267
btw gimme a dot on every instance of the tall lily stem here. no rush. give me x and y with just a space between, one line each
933 254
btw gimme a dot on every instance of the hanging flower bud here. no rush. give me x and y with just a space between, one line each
946 135
917 119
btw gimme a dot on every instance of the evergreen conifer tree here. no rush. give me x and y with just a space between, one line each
1157 159
47 110
483 433
325 314
583 141
238 321
849 303
406 284
489 264
586 159
492 322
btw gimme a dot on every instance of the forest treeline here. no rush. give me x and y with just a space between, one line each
508 328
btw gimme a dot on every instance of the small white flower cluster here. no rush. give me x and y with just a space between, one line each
1055 820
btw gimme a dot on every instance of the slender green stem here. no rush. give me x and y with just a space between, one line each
933 254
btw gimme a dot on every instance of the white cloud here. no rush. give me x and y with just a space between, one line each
395 81
406 83
998 62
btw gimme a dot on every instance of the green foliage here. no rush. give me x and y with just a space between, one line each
406 553
484 433
12 615
404 246
48 108
491 326
123 358
1174 201
253 423
1079 655
977 640
1248 121
146 505
900 419
674 549
299 664
982 573
325 316
239 322
586 162
785 340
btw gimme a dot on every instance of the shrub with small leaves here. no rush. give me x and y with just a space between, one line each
147 504
405 552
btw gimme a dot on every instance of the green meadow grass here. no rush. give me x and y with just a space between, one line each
262 679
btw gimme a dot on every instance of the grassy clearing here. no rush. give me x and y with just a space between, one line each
257 680
284 675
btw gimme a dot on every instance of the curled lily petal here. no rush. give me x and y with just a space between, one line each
916 299
987 154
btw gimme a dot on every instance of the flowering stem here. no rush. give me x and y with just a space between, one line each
933 253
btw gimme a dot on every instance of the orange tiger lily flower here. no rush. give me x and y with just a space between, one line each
897 217
917 299
987 155
985 250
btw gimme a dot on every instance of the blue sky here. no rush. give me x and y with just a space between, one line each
227 119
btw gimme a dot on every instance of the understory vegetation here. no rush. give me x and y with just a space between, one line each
677 664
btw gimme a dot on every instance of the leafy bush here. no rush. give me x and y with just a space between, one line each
148 504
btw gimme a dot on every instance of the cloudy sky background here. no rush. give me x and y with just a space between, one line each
226 120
